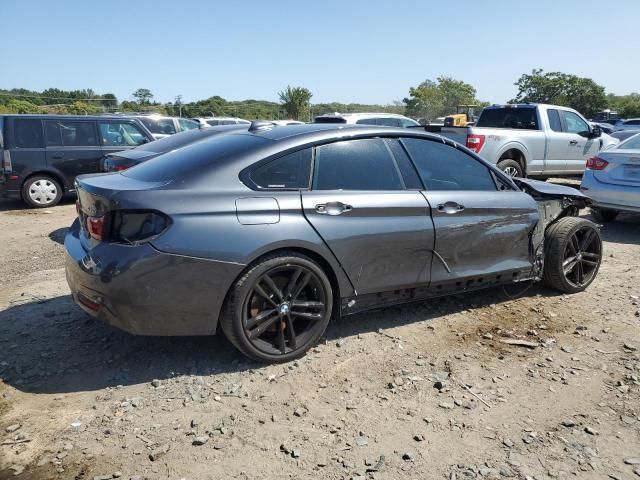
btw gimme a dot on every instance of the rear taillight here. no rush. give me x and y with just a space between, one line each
6 161
475 142
95 227
596 163
136 226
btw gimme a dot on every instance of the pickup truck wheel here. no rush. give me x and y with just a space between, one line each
511 168
604 214
573 251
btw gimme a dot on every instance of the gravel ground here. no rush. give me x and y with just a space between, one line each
427 390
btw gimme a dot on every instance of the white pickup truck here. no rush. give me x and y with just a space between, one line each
533 139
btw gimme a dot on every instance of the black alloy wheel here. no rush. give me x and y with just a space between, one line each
281 308
574 253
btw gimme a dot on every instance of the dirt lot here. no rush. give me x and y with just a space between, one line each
420 391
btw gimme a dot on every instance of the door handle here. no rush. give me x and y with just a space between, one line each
573 142
333 208
450 207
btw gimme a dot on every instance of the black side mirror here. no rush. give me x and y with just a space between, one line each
596 131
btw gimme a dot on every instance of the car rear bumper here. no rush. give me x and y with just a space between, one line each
607 195
144 291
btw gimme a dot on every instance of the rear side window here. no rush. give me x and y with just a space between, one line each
213 123
632 122
521 118
554 120
407 122
443 167
356 165
367 121
289 171
27 133
71 134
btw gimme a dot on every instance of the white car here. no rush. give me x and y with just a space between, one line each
383 119
214 121
612 180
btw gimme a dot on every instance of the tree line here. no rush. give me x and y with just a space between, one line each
428 100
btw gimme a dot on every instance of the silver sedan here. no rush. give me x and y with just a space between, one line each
612 180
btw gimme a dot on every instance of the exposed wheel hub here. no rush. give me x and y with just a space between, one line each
284 308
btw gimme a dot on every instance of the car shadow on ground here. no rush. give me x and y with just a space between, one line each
58 235
625 229
51 346
8 205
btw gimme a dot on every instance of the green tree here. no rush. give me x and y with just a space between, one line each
143 96
20 106
430 99
627 106
295 101
557 88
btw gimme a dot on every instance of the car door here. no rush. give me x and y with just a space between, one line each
117 135
25 143
579 146
482 225
557 140
378 229
72 147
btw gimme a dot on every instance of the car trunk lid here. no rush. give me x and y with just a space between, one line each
623 168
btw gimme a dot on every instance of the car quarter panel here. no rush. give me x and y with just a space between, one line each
242 227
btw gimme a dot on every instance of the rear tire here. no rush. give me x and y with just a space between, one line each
604 214
511 168
279 308
573 252
41 191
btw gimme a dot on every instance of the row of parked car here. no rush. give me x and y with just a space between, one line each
43 154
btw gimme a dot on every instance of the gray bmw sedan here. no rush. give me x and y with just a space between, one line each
267 233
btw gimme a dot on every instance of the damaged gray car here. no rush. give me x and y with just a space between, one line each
268 233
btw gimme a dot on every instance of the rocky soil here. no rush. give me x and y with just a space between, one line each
497 384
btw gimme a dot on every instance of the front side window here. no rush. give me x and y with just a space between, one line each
186 124
289 171
443 167
367 121
554 120
213 123
574 123
71 134
356 165
120 134
27 133
161 126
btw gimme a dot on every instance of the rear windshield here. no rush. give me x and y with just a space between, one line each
329 120
632 143
523 118
193 159
181 139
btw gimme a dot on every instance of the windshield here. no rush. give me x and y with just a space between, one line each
162 126
521 118
631 143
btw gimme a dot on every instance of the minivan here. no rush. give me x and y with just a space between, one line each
43 154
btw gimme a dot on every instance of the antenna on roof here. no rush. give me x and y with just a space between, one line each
259 125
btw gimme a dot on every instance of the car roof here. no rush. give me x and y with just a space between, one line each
67 117
312 131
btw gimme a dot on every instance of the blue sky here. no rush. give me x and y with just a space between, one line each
368 51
